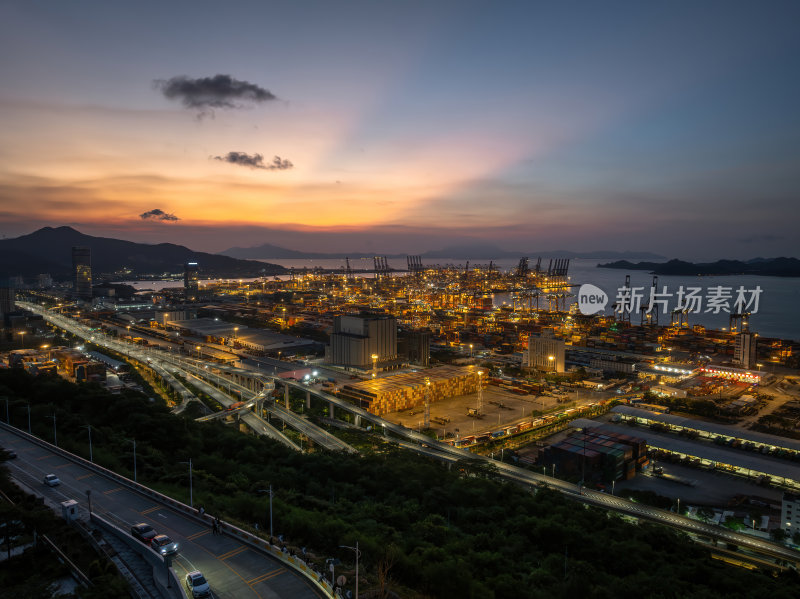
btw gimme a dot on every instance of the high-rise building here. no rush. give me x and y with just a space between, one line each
191 276
415 347
82 271
7 297
546 352
745 351
356 339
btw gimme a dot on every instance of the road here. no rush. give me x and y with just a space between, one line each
234 570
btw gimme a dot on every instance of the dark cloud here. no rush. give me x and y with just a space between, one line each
158 214
255 161
219 91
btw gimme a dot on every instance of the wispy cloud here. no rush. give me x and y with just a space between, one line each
255 161
219 91
158 214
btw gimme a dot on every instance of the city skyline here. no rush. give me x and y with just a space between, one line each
389 128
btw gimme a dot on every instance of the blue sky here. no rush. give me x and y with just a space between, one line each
669 127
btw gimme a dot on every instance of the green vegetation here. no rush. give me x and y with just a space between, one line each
425 531
33 573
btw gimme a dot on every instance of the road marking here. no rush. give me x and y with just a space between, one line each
197 535
85 476
150 510
63 465
267 576
232 552
110 491
44 457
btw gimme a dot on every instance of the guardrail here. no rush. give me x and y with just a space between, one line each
316 578
173 586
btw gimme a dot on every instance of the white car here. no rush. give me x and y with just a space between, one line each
197 584
51 480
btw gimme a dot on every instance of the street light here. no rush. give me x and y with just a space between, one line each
55 434
22 334
470 350
358 554
270 509
480 391
89 428
134 459
191 497
374 365
551 359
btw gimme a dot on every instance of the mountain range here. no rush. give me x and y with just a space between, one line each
775 267
470 252
49 250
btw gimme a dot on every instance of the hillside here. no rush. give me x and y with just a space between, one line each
49 250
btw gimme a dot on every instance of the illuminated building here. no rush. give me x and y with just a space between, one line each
744 351
546 352
355 339
190 279
82 271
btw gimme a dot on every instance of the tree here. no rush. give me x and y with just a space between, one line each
778 535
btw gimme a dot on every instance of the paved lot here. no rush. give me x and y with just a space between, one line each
516 409
711 488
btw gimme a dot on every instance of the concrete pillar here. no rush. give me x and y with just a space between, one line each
357 420
286 395
331 410
308 400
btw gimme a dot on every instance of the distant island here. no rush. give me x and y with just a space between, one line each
767 267
475 251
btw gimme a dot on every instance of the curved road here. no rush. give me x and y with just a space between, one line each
234 570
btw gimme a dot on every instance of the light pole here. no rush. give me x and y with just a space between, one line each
55 434
551 359
374 365
480 391
358 554
134 459
89 428
191 496
470 350
22 335
7 420
270 509
29 416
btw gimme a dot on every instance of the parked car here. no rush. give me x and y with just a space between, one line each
197 584
51 480
144 532
9 453
164 545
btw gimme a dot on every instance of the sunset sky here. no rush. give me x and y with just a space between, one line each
671 127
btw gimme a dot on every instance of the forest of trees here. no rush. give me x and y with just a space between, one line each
425 531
